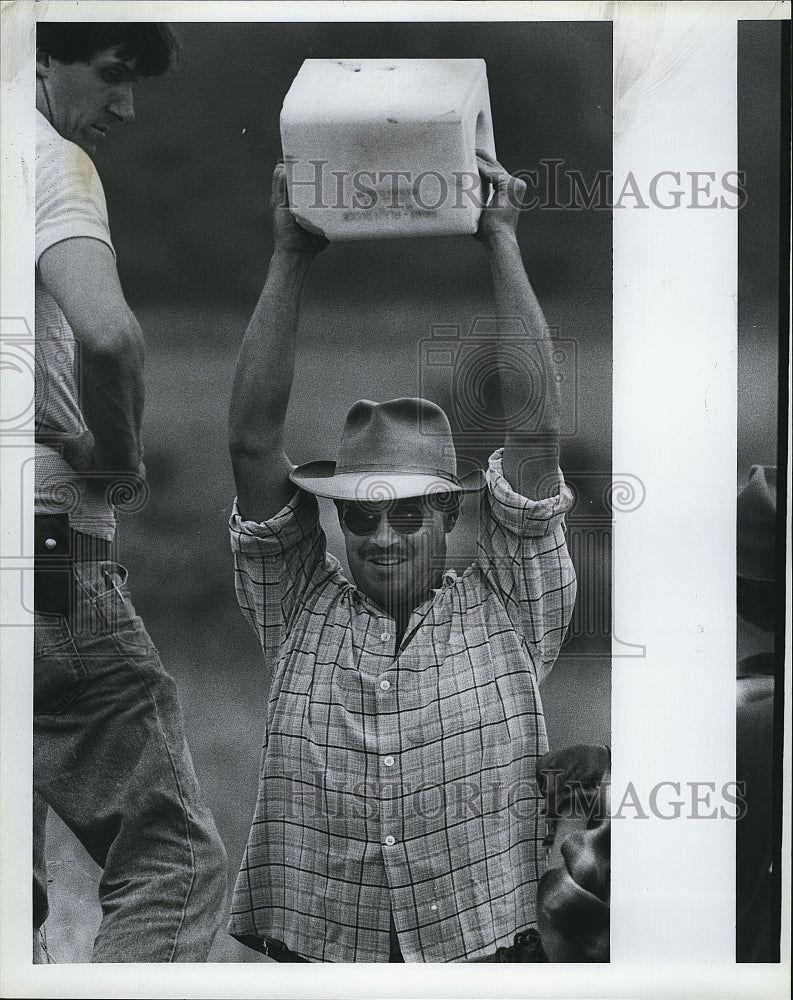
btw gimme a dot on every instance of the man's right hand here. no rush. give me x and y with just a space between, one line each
79 451
288 234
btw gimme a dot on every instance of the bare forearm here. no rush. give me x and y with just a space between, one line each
261 389
112 399
529 387
80 274
266 363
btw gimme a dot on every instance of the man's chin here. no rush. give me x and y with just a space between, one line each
87 145
380 587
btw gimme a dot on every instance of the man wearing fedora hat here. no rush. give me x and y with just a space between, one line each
398 814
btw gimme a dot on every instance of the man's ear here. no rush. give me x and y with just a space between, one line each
42 63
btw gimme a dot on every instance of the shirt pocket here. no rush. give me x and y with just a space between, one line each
59 674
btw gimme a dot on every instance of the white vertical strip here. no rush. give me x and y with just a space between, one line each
675 288
17 366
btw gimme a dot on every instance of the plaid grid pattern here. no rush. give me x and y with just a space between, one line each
401 779
70 202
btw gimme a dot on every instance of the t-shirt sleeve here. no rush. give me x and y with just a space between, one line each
523 556
70 200
276 563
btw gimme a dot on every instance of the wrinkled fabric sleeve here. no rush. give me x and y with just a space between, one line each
523 555
70 200
275 563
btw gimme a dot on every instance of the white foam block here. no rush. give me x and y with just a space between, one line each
386 147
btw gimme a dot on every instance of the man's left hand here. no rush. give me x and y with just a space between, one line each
501 212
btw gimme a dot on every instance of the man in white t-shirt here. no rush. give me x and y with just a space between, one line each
109 752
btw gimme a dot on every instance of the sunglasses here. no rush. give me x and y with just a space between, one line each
405 516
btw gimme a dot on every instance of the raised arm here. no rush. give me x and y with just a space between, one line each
265 368
80 274
527 373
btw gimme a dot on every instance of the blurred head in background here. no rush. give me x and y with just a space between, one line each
574 896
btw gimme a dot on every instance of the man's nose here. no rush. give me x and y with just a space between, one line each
122 106
384 535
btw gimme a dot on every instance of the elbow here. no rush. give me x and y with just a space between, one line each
239 443
548 420
255 424
245 445
240 440
120 342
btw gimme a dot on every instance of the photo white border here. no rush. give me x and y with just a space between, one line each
675 322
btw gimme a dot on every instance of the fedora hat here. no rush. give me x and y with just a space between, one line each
388 451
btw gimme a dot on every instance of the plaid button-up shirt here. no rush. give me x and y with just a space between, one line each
401 779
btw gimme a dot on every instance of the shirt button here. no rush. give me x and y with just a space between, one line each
385 685
388 761
385 636
390 841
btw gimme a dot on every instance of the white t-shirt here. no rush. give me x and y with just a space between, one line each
70 202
